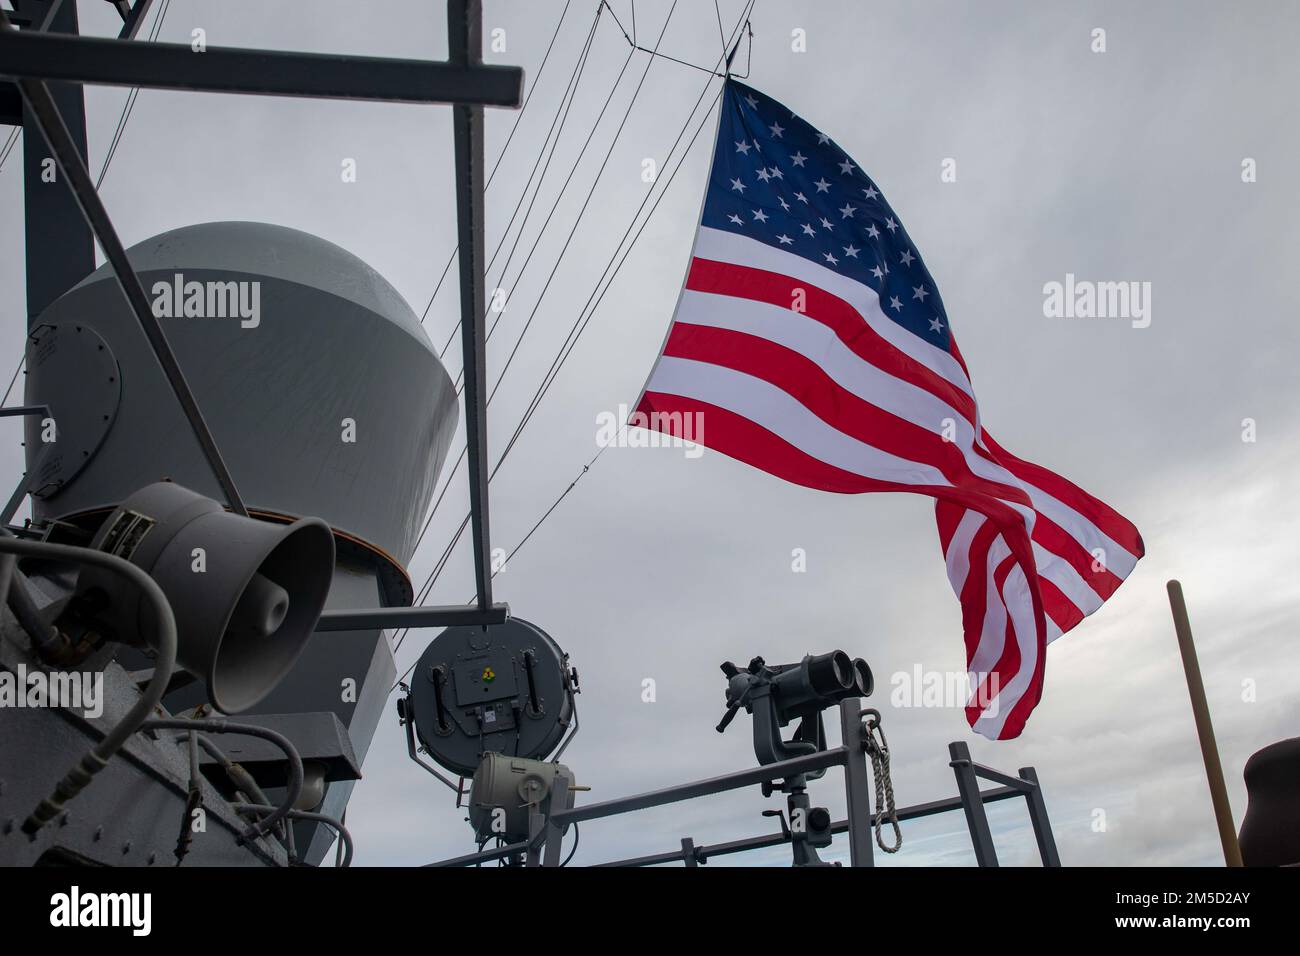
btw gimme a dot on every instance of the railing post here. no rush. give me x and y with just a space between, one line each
856 785
688 852
968 788
557 800
537 822
1038 817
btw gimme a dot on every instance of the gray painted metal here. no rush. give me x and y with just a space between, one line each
700 788
244 621
560 796
857 789
688 852
1038 817
363 577
504 689
317 737
702 854
457 615
35 14
551 820
83 419
333 342
132 813
263 72
547 824
968 788
465 48
327 323
132 21
72 166
11 107
57 241
25 483
489 856
344 673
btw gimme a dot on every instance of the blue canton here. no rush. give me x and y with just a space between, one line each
778 180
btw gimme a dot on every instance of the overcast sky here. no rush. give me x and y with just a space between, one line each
1117 165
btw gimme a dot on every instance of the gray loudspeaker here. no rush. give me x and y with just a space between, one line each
246 594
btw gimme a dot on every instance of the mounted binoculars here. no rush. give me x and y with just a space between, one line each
797 690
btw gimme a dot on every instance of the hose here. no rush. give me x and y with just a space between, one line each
44 635
342 831
216 726
243 782
80 775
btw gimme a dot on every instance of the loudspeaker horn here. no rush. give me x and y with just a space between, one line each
246 593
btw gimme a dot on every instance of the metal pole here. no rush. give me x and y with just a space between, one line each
465 48
914 812
130 27
537 822
968 787
688 852
556 800
793 767
175 66
59 247
856 786
456 615
1038 817
1204 727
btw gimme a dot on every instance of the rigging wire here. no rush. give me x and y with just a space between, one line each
567 350
694 66
129 106
17 369
571 339
561 116
561 359
556 205
9 145
451 474
518 119
595 182
591 192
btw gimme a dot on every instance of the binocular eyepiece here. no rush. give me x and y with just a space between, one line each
815 683
835 676
821 680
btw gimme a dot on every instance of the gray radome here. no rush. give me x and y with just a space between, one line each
309 348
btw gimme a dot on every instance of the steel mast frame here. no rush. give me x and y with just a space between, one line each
31 57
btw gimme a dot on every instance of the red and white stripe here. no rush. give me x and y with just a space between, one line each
838 397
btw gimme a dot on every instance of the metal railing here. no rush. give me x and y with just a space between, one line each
551 817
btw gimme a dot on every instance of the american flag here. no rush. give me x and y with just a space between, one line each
811 342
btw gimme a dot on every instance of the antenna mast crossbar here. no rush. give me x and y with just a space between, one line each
175 66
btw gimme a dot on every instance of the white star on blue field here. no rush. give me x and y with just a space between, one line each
778 180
